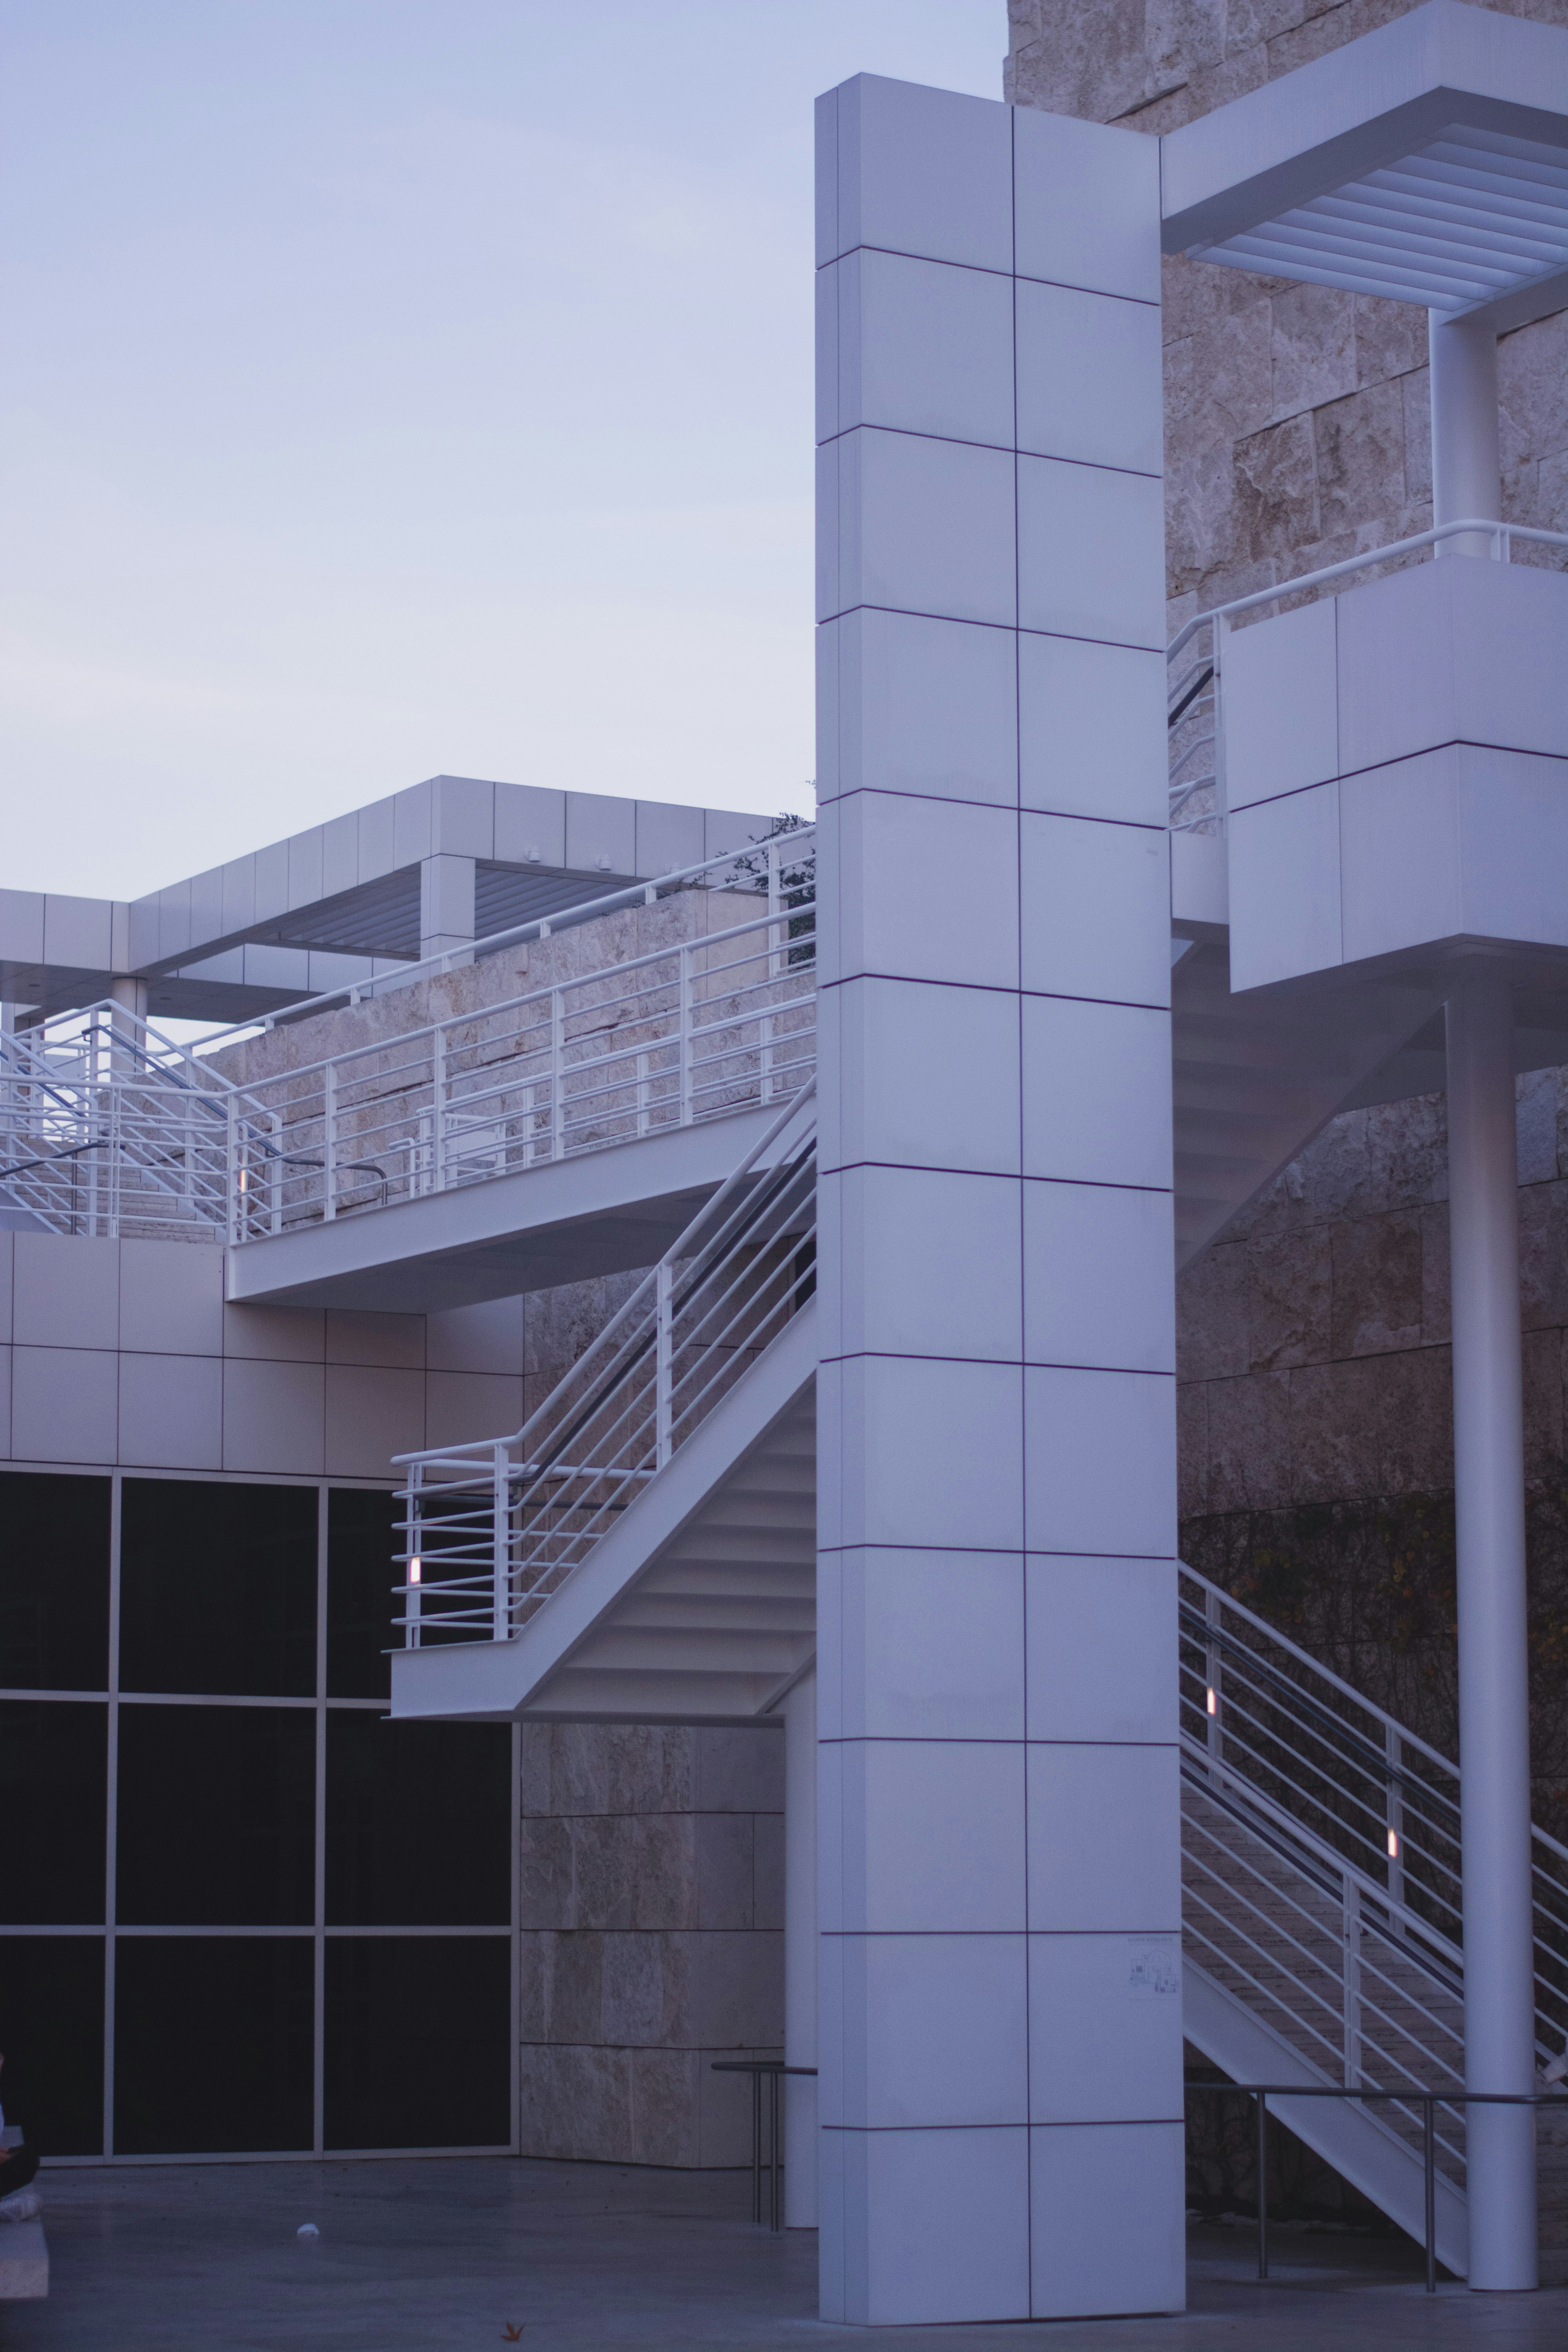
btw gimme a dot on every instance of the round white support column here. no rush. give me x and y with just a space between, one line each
800 1953
1466 466
1494 1696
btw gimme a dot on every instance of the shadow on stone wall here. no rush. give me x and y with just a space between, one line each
1368 1589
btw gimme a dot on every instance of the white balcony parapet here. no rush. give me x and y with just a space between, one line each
1195 695
492 1528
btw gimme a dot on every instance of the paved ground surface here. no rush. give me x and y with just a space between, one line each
204 2258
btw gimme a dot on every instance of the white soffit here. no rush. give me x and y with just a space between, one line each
1427 161
1472 216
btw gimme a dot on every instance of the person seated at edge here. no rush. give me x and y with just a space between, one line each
17 2165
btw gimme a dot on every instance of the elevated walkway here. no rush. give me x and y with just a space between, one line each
524 1228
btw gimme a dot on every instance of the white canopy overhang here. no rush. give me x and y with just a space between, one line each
1427 161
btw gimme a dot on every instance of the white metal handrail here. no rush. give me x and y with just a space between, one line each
1268 1717
108 1126
491 1529
1362 1992
720 1022
1501 536
1184 791
111 1130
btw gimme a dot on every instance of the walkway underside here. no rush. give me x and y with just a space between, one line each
571 1220
1257 1076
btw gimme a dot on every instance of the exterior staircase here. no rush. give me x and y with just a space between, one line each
1321 1920
643 1551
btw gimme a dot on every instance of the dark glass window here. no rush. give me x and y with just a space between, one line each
362 1536
54 1582
217 1587
418 1823
212 2043
54 1779
51 2030
216 1816
418 2042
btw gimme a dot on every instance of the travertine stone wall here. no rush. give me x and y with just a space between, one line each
1296 417
572 953
1313 1337
652 1915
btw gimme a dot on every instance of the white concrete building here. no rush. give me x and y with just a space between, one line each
900 1128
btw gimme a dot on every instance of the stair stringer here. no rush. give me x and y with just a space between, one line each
731 1642
1344 2132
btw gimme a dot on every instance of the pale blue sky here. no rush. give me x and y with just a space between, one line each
392 386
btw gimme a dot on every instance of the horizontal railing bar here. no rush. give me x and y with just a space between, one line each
1249 603
1314 1666
539 995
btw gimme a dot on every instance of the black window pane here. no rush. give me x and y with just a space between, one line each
216 1816
53 1781
51 2030
212 2043
418 1823
418 2042
217 1587
362 1536
54 1582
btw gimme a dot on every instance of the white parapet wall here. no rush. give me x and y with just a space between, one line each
1000 2041
1396 766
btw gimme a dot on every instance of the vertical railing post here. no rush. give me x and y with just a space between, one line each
664 1363
1394 1756
501 1617
275 1178
329 1138
557 1075
1214 1733
644 1096
414 1577
116 1138
91 1130
776 954
1349 1980
1262 2098
684 952
231 1176
438 1112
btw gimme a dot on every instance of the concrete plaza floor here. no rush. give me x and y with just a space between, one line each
459 2250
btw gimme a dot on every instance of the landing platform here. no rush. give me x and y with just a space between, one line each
583 2257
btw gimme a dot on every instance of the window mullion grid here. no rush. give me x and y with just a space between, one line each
111 1812
319 1978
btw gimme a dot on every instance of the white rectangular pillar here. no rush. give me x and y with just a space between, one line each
1000 2027
800 1954
447 917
